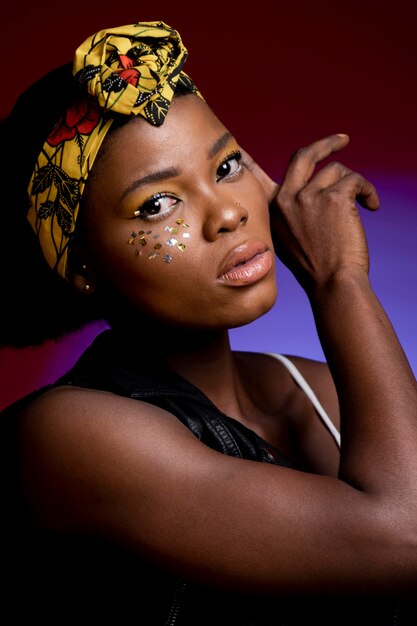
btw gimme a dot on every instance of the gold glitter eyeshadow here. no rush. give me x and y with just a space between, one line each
186 225
174 230
181 246
143 241
167 258
179 221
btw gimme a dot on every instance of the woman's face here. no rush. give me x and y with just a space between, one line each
178 226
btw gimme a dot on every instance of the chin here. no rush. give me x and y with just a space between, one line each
253 310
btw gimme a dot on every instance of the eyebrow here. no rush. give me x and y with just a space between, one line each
219 144
155 177
172 172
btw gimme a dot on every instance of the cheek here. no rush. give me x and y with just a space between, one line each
151 266
255 199
149 254
160 242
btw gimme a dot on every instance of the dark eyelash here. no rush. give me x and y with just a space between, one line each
156 196
139 213
236 154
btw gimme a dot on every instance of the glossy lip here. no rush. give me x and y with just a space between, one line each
246 264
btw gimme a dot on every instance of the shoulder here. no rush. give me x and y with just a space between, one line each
285 392
62 413
318 376
278 383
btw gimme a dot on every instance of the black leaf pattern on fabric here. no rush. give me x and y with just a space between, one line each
43 178
68 188
87 73
64 218
47 209
156 110
114 83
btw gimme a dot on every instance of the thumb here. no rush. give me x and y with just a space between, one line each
269 186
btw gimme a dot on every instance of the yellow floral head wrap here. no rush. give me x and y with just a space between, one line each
130 70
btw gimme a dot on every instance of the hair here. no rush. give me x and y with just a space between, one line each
38 304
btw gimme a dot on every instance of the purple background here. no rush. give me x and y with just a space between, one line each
279 78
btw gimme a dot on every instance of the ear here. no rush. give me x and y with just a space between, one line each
83 280
80 272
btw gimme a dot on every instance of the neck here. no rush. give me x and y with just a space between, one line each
205 359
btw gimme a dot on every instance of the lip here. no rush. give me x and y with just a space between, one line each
246 264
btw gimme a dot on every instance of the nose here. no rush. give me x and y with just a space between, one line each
223 215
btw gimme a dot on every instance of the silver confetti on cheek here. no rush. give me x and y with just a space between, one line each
155 236
152 255
167 258
181 246
171 242
138 252
185 235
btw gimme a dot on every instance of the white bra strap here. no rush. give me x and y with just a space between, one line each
299 378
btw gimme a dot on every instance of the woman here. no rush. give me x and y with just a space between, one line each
134 495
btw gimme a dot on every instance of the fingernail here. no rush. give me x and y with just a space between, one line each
342 135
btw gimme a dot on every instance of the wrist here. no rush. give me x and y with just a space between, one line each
345 280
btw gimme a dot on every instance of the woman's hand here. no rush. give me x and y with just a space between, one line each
314 218
269 186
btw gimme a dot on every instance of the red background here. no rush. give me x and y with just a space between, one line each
279 75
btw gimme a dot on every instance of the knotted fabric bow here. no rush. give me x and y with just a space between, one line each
130 70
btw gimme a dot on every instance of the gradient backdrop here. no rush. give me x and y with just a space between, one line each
279 75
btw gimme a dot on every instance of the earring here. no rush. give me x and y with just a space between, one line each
86 287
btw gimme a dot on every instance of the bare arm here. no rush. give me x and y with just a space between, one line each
320 237
97 463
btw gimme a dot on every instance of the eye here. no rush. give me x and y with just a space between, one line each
157 207
231 167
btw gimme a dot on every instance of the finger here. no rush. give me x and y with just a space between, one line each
304 161
269 186
328 176
357 188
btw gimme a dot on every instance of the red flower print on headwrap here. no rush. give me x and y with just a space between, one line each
80 118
